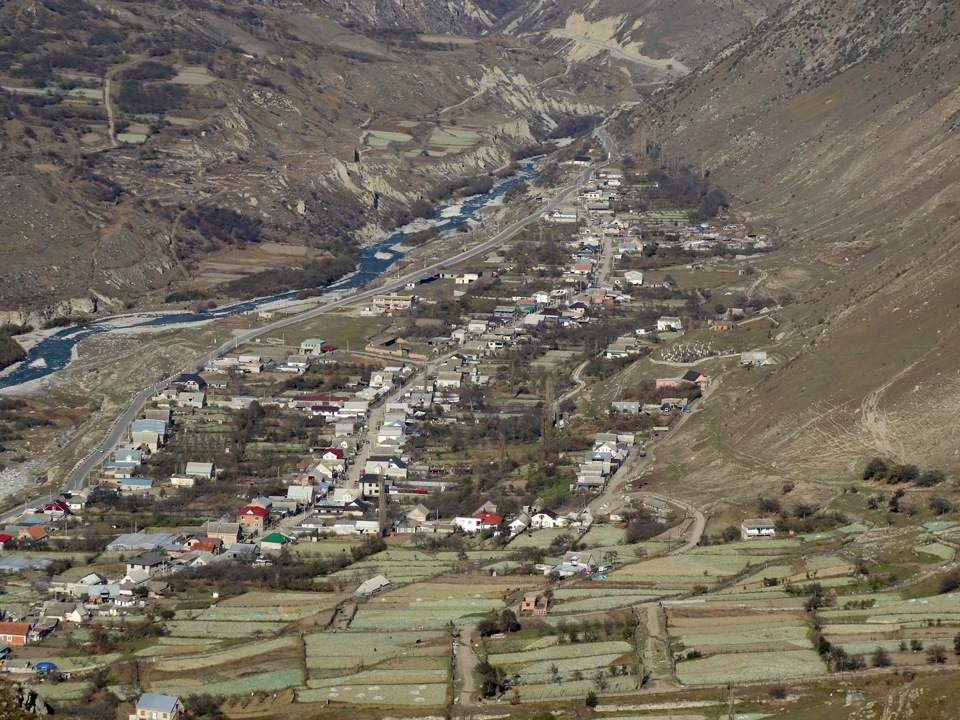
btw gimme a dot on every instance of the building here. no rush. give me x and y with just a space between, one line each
14 633
669 324
311 346
392 303
757 528
252 518
157 707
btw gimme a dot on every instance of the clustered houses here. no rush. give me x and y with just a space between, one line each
608 453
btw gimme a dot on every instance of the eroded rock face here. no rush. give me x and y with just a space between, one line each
37 318
21 701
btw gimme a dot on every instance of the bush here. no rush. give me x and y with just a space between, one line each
950 581
880 658
591 700
778 691
937 655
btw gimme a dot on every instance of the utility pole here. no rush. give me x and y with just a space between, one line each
382 503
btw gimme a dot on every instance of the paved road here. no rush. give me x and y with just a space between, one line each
79 473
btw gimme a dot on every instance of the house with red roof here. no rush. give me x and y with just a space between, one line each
33 533
14 633
4 539
252 517
57 508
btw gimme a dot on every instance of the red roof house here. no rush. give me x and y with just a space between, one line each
253 517
490 520
14 633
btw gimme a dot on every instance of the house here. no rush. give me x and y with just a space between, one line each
392 303
390 466
420 513
544 518
150 562
519 525
32 534
757 528
371 586
157 707
534 604
696 378
668 323
14 633
489 520
754 358
302 494
56 508
4 539
228 532
311 346
190 382
633 277
192 399
204 543
136 484
204 470
657 507
274 541
252 517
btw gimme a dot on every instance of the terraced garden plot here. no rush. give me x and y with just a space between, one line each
383 138
239 653
344 650
560 652
576 688
853 529
62 691
750 667
866 647
610 602
383 677
84 662
686 568
538 538
221 685
255 614
944 552
222 628
289 599
606 535
420 694
426 615
765 546
796 636
453 137
707 621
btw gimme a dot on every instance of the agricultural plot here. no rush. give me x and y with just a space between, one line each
215 684
736 640
536 666
578 688
538 538
686 570
237 654
750 667
423 694
826 570
940 550
377 667
222 629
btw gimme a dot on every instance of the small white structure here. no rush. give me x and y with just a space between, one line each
757 528
369 587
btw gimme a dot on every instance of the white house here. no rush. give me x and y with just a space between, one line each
757 528
667 323
544 519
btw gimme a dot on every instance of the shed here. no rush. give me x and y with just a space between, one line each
371 586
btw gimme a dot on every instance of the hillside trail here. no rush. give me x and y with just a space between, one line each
876 422
579 384
465 666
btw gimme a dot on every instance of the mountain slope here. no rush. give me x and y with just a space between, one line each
835 124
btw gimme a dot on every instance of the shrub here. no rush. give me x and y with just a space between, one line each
950 581
880 658
937 655
591 700
778 691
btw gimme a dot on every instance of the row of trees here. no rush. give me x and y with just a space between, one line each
892 473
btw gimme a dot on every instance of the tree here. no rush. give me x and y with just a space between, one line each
492 679
950 581
936 655
956 644
508 621
555 675
940 505
880 658
591 700
600 681
876 468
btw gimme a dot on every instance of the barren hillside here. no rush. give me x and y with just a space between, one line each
835 124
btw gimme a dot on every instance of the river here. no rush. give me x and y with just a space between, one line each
54 352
